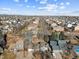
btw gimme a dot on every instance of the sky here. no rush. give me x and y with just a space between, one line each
40 7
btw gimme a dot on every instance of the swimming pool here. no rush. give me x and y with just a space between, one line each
77 50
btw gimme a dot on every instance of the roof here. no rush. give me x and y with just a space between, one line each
58 28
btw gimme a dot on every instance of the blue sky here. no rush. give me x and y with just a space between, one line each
39 7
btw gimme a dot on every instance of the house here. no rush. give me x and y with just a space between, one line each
76 49
53 25
32 26
58 28
69 25
36 21
36 40
77 28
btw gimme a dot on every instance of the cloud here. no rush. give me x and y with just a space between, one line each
27 6
77 11
73 12
26 0
43 1
16 0
36 0
69 13
19 0
67 3
33 6
49 7
57 13
61 3
55 0
62 7
10 11
20 5
5 9
52 7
